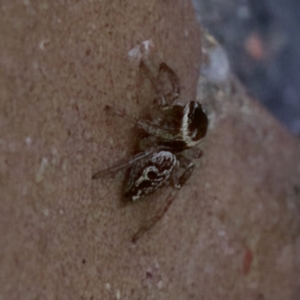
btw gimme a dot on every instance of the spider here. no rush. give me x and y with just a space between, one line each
159 161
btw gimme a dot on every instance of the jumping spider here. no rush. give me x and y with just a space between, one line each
159 161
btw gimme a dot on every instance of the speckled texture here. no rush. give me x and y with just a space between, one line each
233 231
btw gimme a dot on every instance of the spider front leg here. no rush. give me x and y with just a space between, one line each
178 183
174 80
164 99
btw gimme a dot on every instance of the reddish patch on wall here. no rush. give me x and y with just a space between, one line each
248 257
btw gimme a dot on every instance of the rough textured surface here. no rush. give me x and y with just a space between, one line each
233 231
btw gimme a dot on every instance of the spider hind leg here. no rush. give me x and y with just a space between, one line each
178 183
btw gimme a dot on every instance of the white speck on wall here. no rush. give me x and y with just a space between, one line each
64 165
148 44
135 53
207 185
221 233
107 286
46 212
43 44
28 141
93 26
53 150
35 65
138 51
246 110
43 166
111 141
61 211
186 33
160 285
118 294
87 135
26 2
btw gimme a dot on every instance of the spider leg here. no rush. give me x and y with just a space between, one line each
170 199
120 113
154 82
175 93
186 174
165 99
125 163
129 162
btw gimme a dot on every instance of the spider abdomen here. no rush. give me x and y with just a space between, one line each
148 175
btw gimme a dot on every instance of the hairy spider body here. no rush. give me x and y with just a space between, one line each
178 127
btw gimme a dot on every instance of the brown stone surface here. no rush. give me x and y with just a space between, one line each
233 231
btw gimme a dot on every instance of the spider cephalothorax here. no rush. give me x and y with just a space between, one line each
181 127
